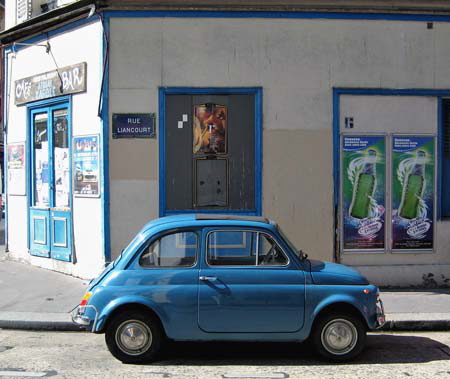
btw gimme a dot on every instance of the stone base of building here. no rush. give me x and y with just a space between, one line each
408 276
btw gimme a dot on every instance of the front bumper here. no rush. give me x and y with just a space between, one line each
79 317
381 318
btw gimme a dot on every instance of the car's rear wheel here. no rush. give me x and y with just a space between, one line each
339 337
133 337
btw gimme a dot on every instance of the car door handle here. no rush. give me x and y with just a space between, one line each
208 278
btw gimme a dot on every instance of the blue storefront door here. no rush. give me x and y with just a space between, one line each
50 201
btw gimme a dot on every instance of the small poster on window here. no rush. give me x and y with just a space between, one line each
16 169
413 192
210 129
86 172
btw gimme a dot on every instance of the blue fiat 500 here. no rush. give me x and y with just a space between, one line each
233 278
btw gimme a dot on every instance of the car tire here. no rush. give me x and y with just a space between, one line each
339 337
134 337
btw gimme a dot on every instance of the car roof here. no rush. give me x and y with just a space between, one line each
194 219
231 217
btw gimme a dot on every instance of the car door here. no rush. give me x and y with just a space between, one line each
248 284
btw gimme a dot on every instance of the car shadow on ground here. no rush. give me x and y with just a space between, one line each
380 349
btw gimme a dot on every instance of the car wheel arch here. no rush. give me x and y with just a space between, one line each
338 307
130 307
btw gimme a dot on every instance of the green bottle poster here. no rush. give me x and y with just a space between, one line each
413 194
363 203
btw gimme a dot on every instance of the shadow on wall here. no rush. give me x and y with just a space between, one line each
381 349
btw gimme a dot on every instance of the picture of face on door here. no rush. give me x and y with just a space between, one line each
210 129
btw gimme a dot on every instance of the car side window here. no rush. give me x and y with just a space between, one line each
172 250
243 248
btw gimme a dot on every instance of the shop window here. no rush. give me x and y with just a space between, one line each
445 141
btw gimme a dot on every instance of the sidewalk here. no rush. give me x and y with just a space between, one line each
427 309
35 298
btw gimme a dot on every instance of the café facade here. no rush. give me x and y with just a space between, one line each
333 121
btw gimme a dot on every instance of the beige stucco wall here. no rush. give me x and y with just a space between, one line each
297 62
297 187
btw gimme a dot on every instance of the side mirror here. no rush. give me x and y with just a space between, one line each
302 255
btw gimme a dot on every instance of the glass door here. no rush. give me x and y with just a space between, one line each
50 206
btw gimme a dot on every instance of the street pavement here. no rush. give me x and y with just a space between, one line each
388 355
39 299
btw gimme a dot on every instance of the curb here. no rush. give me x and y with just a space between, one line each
66 326
416 325
53 326
39 321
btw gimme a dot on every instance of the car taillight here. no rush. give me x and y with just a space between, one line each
85 299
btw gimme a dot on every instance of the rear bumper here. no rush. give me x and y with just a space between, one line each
79 317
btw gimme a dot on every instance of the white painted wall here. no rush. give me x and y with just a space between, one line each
83 44
10 13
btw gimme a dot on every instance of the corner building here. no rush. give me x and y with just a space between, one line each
333 120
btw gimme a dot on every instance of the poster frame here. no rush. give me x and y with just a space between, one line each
341 197
99 169
8 187
201 152
391 205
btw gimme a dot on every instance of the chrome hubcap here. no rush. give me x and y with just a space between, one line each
339 336
133 337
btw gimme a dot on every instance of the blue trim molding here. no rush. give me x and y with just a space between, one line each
5 145
439 162
257 92
162 143
282 14
104 138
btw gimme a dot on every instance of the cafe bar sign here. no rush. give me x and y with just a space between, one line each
63 81
133 125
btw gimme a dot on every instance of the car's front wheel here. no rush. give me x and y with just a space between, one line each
339 337
133 337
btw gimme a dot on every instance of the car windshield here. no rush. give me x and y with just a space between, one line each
288 241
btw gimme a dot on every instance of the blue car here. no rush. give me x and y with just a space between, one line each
230 278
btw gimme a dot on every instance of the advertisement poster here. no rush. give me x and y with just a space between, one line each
210 129
42 177
86 172
413 169
363 203
16 169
